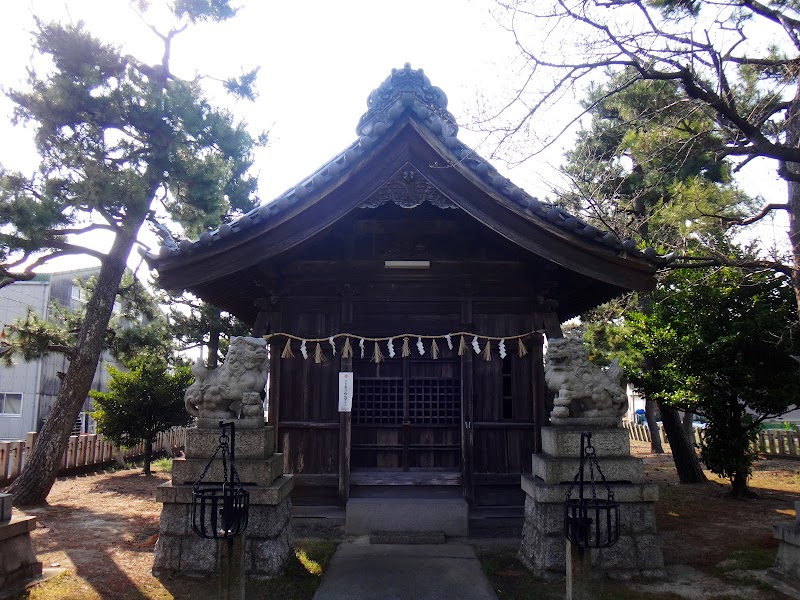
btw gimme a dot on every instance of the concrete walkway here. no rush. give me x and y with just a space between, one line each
364 571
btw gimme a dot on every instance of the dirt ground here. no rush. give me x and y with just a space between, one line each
716 546
102 529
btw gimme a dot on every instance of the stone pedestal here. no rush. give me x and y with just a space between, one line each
268 536
637 554
17 558
787 563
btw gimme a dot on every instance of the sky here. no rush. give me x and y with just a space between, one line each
319 60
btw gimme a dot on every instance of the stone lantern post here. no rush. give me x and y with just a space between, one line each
230 392
588 399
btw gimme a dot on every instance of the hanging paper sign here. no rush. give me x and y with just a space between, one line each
345 391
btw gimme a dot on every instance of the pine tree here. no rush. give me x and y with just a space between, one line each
115 137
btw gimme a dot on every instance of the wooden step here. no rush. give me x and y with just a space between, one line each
422 478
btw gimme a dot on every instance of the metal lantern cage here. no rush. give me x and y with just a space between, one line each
589 521
220 510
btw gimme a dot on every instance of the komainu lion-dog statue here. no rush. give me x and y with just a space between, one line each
585 392
232 390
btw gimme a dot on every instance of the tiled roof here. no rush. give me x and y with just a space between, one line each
408 93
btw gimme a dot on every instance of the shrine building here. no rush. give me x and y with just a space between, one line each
410 262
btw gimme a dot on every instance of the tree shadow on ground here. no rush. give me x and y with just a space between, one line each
300 579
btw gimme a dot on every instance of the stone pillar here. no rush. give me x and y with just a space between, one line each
17 558
787 563
268 535
638 553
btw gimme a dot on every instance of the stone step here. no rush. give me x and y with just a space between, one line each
367 515
407 537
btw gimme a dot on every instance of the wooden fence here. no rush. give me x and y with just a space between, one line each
770 442
83 452
779 442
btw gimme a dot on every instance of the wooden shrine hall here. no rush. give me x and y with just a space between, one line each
434 279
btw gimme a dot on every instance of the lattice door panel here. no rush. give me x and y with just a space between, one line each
377 401
434 401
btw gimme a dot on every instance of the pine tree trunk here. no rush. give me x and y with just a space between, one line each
148 456
212 359
686 461
794 234
792 171
652 425
37 477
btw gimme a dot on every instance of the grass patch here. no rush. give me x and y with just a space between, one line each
163 464
749 558
65 586
300 581
303 572
511 580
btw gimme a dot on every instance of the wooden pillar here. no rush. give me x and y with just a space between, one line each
262 324
274 399
540 416
552 326
467 379
345 418
579 573
552 329
232 572
345 436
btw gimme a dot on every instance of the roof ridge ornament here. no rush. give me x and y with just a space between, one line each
405 88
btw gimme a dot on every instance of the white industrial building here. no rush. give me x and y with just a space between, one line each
28 389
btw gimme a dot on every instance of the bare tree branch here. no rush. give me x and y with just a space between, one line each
704 262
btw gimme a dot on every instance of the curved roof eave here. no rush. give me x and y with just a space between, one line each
539 227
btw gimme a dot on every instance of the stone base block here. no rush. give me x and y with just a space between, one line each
17 558
787 562
5 506
565 442
561 470
250 443
271 494
268 541
637 554
265 558
448 515
555 493
257 472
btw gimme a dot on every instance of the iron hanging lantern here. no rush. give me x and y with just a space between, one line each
220 510
590 522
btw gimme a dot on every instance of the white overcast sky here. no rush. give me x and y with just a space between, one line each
319 60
